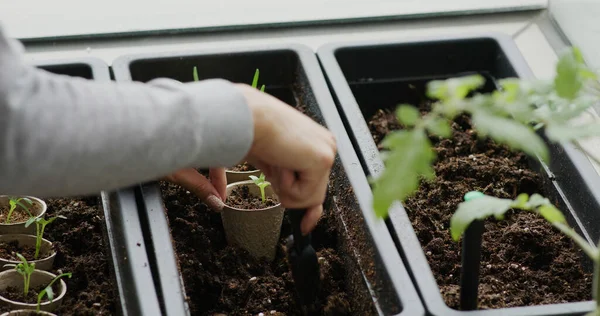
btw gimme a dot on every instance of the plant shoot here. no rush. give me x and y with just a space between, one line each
255 81
48 291
512 115
14 202
25 269
262 184
40 225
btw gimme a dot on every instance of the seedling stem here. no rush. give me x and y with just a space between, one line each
262 184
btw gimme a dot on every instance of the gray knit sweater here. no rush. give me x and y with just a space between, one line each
64 136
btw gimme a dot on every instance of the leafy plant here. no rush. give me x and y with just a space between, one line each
262 183
13 202
25 269
514 115
40 225
48 291
487 206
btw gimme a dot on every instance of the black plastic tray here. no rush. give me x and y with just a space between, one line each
135 290
571 178
292 74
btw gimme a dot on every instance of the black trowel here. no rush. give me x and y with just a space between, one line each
304 263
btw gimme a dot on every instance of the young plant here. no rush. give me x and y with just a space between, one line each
40 225
48 291
255 81
513 115
262 184
14 202
25 269
488 206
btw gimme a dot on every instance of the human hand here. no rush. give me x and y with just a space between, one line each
294 152
211 192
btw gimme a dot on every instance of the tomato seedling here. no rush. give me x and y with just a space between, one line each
13 202
40 225
512 115
48 291
25 269
262 184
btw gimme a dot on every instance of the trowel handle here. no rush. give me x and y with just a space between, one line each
300 242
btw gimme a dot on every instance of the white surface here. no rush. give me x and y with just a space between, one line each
313 37
578 19
35 19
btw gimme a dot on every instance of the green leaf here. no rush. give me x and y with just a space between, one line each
552 214
454 88
567 133
475 209
196 74
262 88
255 79
536 201
439 127
568 81
409 159
30 221
254 178
408 115
509 132
49 293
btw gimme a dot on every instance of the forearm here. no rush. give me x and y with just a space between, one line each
68 136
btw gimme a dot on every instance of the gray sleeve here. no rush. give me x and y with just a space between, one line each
68 136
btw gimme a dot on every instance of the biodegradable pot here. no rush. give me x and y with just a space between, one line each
254 230
239 176
27 312
12 278
29 240
38 209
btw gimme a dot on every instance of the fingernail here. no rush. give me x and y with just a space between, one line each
215 203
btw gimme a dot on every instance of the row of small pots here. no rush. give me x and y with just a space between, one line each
255 230
9 277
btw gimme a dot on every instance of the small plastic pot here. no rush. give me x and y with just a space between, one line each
27 312
29 240
239 176
12 278
256 231
38 209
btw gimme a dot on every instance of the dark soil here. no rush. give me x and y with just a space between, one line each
19 215
220 279
244 166
525 261
81 249
242 199
15 294
8 251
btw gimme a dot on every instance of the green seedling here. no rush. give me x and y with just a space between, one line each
514 116
14 202
485 206
195 74
25 269
48 290
262 184
40 225
255 81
